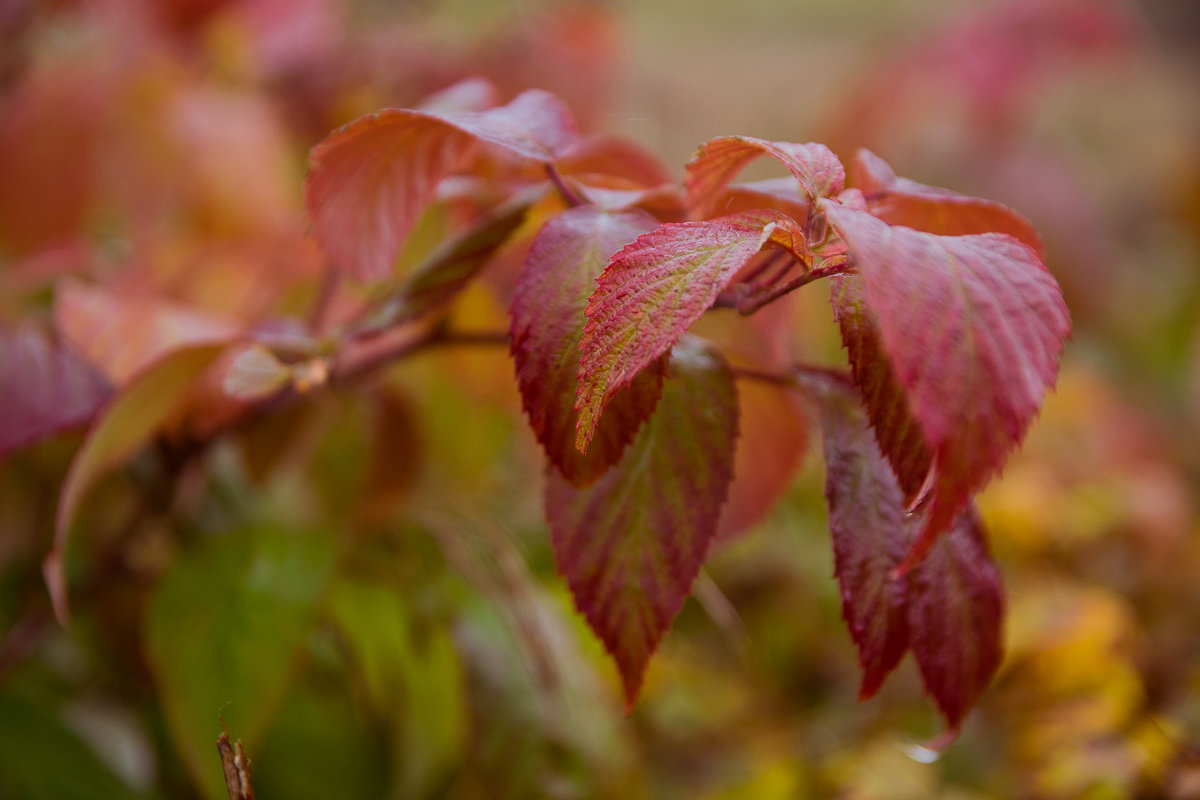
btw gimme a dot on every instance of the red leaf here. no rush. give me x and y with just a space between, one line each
949 609
870 533
372 178
898 434
972 327
654 289
46 388
956 617
900 201
548 318
719 160
631 544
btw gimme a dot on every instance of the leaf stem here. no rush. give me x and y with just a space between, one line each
324 299
748 303
571 196
772 260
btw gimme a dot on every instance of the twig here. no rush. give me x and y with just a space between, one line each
432 337
236 767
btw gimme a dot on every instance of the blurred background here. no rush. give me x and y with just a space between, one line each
362 586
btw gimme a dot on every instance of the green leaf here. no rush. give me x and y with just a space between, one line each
222 634
411 675
129 420
40 759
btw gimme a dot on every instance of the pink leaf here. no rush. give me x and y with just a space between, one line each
46 388
547 313
899 435
616 156
956 617
870 533
372 178
654 289
717 162
972 327
900 201
122 330
631 544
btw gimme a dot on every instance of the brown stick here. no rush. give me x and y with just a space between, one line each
236 767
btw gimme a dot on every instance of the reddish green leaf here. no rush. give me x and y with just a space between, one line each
899 435
717 162
129 420
972 327
46 388
870 532
900 201
371 178
547 313
956 617
631 544
654 289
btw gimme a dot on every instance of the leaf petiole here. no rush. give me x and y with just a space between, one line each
572 197
746 299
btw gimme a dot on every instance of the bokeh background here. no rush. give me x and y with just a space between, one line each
362 585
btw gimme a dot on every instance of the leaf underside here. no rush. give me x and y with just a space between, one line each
719 160
372 178
631 543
